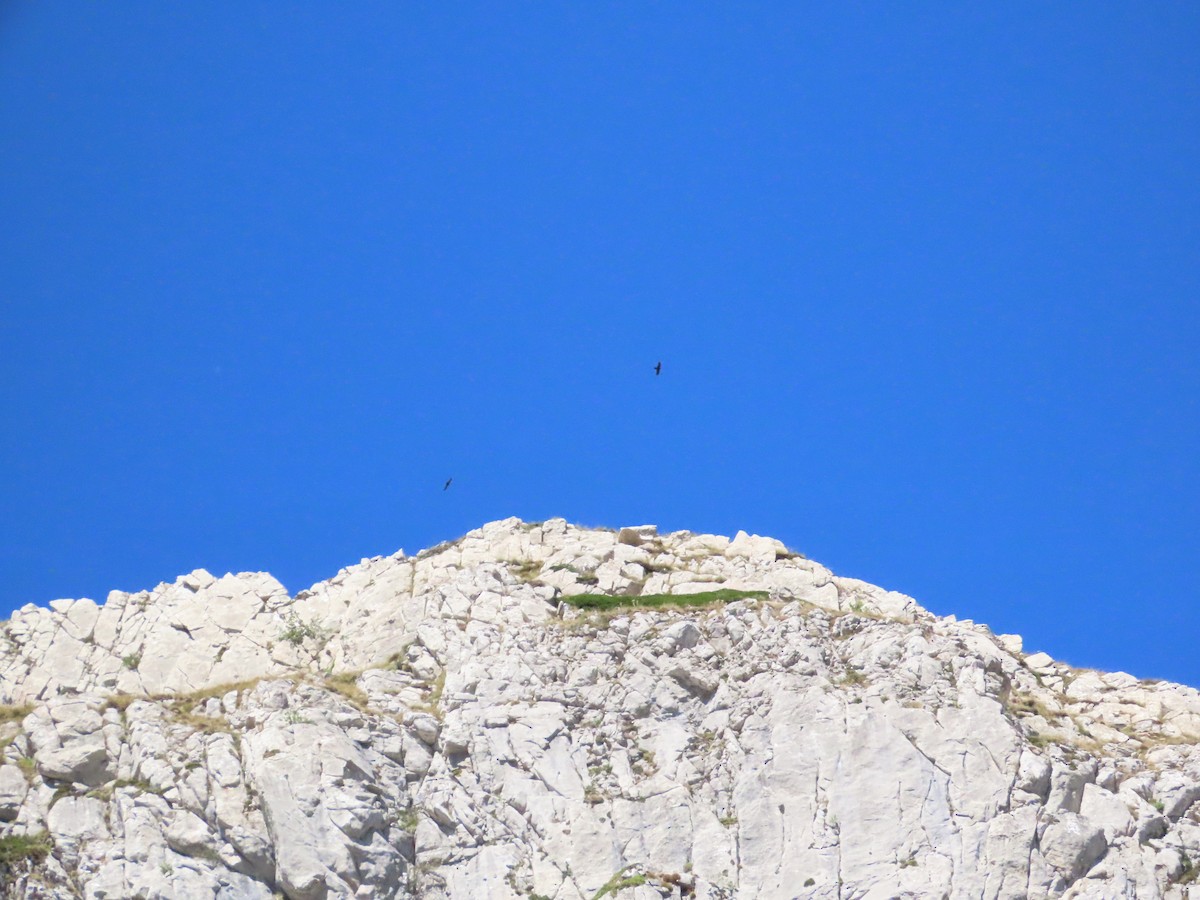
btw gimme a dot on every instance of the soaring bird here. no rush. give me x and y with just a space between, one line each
446 486
658 368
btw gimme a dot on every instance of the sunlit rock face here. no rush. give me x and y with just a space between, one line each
451 725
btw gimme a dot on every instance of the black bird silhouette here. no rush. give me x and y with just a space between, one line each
446 486
658 368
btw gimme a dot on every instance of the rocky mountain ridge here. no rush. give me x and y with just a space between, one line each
544 711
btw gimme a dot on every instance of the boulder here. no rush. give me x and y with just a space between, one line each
1072 844
84 760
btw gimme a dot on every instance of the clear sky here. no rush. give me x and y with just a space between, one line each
923 279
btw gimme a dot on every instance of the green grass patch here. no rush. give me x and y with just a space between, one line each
119 701
1028 705
650 601
188 702
1189 872
346 684
105 793
525 569
433 697
17 848
853 677
1039 740
15 713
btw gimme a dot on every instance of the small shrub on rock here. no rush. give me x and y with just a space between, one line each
297 631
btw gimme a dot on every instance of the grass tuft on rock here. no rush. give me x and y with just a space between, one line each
19 848
650 601
346 684
14 713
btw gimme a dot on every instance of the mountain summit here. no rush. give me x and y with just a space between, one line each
539 710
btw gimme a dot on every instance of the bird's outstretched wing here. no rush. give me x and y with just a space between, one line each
446 486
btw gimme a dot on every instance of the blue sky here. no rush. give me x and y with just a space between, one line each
923 281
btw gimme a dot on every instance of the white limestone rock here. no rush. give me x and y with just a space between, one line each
1072 844
13 788
78 819
832 740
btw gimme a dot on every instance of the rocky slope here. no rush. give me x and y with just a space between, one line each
446 725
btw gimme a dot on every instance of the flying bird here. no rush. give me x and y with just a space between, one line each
446 486
658 368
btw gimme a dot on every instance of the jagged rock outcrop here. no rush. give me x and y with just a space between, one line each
447 725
